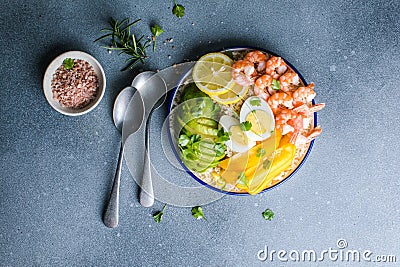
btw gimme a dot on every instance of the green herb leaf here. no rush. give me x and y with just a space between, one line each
276 85
159 214
197 212
189 154
242 179
266 164
260 152
195 138
268 214
245 126
256 102
156 31
178 10
222 135
183 140
220 149
68 63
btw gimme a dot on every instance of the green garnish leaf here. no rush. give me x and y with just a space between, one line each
222 135
189 154
197 212
68 63
195 138
156 31
260 152
183 140
268 214
178 10
266 164
276 85
245 126
159 214
255 102
242 179
220 149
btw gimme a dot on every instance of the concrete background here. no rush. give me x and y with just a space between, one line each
56 171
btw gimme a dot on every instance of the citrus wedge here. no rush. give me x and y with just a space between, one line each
212 73
235 93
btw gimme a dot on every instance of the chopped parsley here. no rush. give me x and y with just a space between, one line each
159 214
178 10
266 164
260 152
245 126
156 31
276 85
255 102
219 149
197 212
195 138
183 140
222 135
68 63
268 214
242 179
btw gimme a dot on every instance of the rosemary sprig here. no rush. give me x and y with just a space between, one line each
122 40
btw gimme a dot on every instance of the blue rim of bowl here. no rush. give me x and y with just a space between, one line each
228 49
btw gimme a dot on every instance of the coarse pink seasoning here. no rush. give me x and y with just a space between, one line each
77 87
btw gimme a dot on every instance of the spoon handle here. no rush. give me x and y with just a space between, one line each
146 192
110 217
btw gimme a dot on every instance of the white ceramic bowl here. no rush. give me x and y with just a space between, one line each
48 77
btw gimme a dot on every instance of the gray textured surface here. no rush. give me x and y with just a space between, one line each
56 171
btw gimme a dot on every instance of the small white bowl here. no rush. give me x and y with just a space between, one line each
48 77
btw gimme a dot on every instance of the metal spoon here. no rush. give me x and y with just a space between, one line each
154 89
121 104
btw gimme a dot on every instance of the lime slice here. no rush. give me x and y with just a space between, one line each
235 93
212 73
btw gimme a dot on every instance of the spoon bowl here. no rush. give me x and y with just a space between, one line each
120 106
154 92
141 79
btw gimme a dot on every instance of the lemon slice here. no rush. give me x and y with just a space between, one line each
212 74
235 93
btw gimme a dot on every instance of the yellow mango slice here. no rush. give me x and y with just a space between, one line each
282 160
250 158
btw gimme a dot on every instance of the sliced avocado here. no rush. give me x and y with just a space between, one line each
203 150
207 146
209 155
190 131
185 126
207 143
208 122
207 159
197 166
202 129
